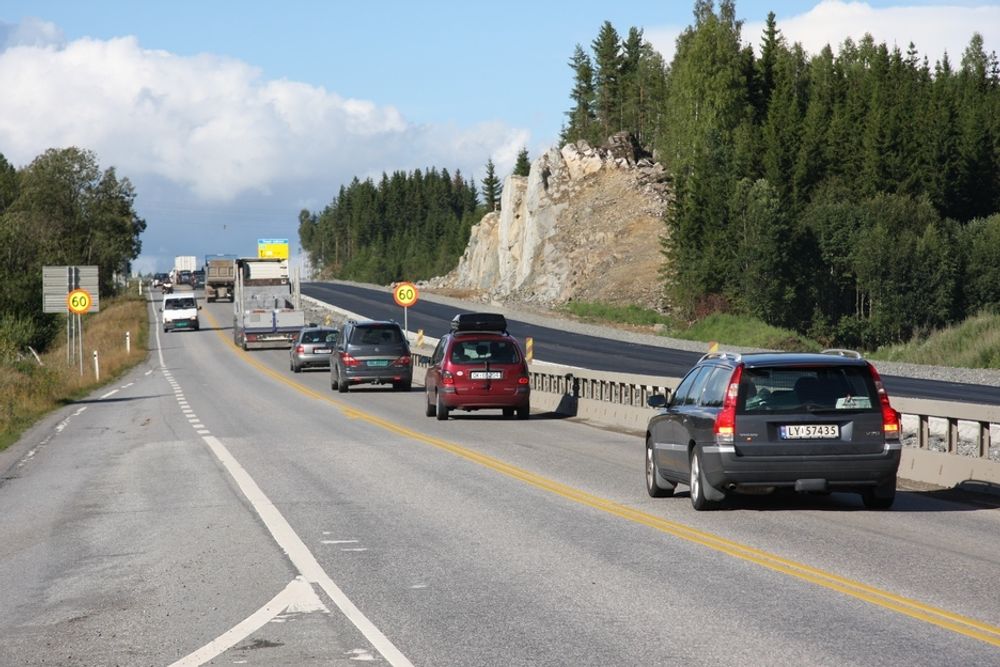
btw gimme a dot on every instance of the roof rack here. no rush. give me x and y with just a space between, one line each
735 356
482 322
841 352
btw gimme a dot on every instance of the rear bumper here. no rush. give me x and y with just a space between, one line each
723 468
175 325
520 398
378 375
312 360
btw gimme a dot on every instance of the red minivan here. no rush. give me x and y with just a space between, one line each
477 366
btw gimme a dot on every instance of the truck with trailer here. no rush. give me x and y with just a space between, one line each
220 277
267 309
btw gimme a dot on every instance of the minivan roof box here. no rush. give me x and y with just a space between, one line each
494 322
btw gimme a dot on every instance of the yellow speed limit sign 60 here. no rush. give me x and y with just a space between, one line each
405 294
78 301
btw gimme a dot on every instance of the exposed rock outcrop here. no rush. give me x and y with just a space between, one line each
585 224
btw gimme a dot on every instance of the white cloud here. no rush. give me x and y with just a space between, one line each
933 29
30 32
213 124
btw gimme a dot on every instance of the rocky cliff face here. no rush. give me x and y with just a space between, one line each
585 224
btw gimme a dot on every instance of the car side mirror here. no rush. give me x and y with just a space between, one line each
657 401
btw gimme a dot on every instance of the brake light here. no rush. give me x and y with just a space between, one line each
523 380
447 379
725 421
349 360
300 349
890 418
402 361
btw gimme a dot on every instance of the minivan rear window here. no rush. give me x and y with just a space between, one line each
802 388
482 351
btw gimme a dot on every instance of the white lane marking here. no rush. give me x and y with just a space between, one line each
79 411
338 541
300 555
355 549
126 386
203 432
294 547
149 372
110 393
297 596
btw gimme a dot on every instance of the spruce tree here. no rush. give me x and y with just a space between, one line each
523 164
491 187
607 81
581 115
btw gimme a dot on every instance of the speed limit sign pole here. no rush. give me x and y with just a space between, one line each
78 302
405 295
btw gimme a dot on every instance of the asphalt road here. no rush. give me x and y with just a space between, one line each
605 354
216 502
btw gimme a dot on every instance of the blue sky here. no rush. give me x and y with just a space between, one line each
230 117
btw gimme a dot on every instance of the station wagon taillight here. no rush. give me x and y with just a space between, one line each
524 379
725 421
890 418
447 378
300 349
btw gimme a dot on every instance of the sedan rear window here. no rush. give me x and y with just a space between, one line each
793 389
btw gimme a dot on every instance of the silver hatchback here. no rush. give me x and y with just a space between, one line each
312 348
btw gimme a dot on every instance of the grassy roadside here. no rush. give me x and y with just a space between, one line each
724 329
29 391
974 343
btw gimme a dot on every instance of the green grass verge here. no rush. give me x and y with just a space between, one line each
974 343
609 313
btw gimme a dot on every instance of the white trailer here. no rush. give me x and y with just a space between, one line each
267 308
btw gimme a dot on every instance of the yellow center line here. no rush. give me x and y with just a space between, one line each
941 618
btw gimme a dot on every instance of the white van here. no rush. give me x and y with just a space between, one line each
180 311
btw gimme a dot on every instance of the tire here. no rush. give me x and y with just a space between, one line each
881 497
656 486
295 368
430 409
246 348
524 411
700 490
508 412
342 385
441 409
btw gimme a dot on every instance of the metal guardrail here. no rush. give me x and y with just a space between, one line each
959 429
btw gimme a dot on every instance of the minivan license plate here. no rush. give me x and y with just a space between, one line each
809 431
486 375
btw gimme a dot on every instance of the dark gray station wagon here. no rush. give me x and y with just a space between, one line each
815 422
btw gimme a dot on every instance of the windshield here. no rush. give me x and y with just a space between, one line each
179 304
797 389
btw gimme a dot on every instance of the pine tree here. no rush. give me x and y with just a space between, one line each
491 187
523 165
581 116
607 81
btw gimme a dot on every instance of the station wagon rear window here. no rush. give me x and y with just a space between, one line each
811 389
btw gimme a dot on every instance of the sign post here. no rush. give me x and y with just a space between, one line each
405 295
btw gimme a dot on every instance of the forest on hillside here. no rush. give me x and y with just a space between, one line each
852 195
408 225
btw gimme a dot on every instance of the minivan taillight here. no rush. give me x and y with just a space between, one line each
890 418
725 421
349 360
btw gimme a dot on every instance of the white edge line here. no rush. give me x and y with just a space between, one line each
300 555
